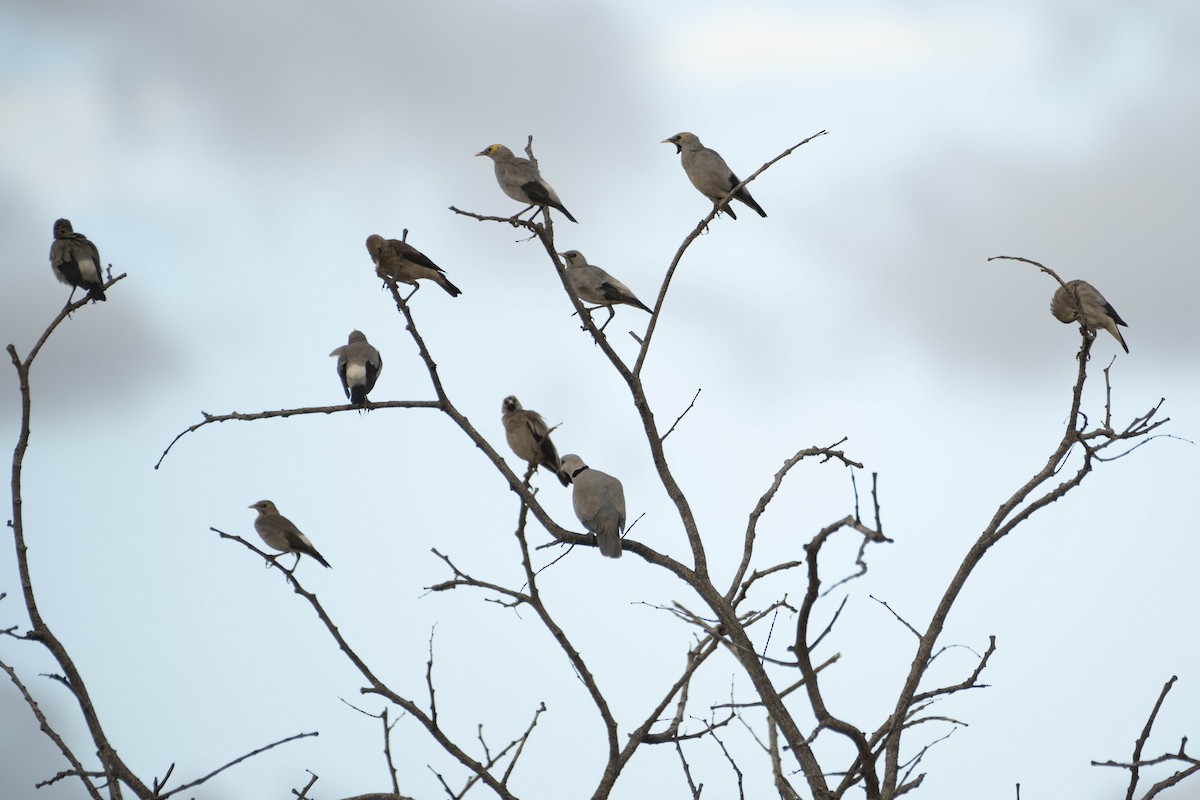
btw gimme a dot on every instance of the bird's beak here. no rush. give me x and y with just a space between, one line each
252 506
678 149
482 152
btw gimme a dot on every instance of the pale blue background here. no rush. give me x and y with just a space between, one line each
232 158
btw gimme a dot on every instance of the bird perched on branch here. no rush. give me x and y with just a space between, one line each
593 285
280 534
406 264
521 181
709 173
358 365
599 503
76 261
1079 301
529 437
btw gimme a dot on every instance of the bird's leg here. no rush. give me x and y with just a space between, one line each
517 217
414 291
293 569
611 313
1088 335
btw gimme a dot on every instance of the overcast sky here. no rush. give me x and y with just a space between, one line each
232 158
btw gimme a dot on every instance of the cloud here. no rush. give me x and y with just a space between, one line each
733 46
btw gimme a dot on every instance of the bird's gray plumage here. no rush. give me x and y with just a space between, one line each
599 503
358 365
529 437
709 173
1076 296
406 264
280 534
521 181
76 261
591 284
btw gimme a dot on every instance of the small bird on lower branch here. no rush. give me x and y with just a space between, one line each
280 534
358 365
593 285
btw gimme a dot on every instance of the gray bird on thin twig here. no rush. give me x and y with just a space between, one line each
529 437
280 534
709 173
76 261
593 285
404 263
358 365
521 181
599 503
1076 297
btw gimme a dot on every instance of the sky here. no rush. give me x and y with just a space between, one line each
232 158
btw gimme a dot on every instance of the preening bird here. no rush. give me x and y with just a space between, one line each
709 173
76 261
529 437
593 285
1080 296
521 181
406 264
280 534
599 503
358 365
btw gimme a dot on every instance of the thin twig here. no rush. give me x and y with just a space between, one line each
292 412
681 416
236 761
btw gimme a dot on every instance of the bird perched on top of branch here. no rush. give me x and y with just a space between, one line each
406 264
599 503
76 261
358 365
593 285
709 173
521 181
1076 297
529 437
280 534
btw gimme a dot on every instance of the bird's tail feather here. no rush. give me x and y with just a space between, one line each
609 543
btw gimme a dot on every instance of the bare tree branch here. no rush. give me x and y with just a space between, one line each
236 761
292 412
77 769
1137 763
